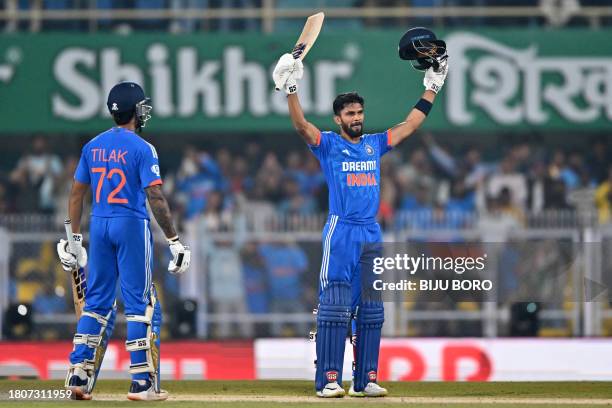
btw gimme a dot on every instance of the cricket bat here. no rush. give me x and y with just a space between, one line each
309 35
79 284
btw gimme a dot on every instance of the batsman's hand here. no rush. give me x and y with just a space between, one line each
434 79
181 256
286 73
71 261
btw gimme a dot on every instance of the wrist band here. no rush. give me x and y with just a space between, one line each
423 105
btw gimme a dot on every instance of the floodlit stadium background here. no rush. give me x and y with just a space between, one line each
516 152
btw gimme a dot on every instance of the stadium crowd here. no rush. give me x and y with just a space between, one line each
216 191
427 177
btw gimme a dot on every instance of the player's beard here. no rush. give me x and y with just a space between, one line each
352 131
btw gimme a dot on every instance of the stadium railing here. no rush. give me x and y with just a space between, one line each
553 251
269 14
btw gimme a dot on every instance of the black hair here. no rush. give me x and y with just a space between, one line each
122 118
346 99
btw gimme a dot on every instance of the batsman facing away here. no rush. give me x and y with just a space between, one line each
350 161
123 172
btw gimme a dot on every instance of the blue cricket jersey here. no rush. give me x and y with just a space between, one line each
119 165
352 172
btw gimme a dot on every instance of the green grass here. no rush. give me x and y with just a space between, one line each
532 390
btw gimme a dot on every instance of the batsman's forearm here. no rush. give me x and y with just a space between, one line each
75 210
307 130
75 205
161 211
296 112
416 118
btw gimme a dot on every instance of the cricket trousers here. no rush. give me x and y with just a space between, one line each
346 297
120 249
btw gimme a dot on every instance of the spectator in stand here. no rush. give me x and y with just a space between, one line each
295 203
199 175
603 199
507 177
5 206
255 279
462 200
225 271
599 160
35 178
285 265
48 300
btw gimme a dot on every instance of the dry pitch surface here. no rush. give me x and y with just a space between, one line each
281 394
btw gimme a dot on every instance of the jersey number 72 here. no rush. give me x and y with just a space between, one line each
111 199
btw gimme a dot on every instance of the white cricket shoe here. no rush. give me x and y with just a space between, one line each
370 390
145 392
331 390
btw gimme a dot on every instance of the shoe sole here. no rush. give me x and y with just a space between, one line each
361 394
78 394
338 394
146 397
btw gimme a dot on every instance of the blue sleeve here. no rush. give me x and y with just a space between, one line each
149 167
384 141
322 147
81 173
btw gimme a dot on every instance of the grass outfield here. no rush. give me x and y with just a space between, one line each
229 394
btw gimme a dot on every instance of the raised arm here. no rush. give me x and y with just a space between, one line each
286 73
433 82
309 132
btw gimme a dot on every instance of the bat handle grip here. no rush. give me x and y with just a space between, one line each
69 236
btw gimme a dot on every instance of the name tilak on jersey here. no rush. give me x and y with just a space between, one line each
116 156
360 179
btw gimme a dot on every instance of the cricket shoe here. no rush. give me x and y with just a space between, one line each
331 390
77 386
370 390
143 390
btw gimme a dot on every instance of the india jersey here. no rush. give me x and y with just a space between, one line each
119 165
352 172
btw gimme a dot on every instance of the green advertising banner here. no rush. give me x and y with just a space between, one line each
510 79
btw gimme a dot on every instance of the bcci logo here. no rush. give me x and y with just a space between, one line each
114 107
369 150
155 170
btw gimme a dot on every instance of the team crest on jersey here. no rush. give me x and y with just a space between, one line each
369 150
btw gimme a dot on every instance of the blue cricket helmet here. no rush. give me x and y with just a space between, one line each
126 97
422 48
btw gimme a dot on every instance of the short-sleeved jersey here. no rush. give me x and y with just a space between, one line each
352 172
119 165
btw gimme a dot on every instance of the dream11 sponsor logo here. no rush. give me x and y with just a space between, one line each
400 361
228 85
510 85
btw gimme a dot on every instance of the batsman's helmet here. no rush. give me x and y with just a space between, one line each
422 48
128 98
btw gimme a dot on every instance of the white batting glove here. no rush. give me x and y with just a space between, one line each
287 70
434 80
71 261
181 256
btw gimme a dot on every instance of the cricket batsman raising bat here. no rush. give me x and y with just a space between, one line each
122 170
350 161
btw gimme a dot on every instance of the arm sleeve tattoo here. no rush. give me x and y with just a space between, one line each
161 210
